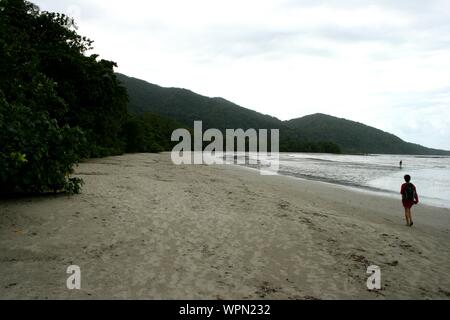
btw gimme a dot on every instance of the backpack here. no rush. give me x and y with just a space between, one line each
409 193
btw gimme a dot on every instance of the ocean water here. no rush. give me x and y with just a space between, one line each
375 173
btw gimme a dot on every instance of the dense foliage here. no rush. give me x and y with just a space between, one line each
36 155
58 104
149 132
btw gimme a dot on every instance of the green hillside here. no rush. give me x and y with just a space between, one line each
354 137
186 107
314 133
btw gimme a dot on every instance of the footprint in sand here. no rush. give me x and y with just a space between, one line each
266 289
284 205
315 214
360 259
395 242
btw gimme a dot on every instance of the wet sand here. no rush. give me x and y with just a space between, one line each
146 229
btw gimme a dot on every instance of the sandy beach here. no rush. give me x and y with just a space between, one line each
144 228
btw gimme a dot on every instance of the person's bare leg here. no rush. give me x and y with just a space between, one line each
407 217
410 218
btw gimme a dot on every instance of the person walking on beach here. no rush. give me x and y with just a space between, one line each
409 198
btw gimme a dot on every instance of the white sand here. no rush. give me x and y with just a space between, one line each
144 228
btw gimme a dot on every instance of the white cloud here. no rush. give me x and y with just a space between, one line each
365 60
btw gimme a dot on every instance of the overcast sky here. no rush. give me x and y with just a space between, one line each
385 63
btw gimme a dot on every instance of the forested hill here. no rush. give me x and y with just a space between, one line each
186 107
354 137
301 134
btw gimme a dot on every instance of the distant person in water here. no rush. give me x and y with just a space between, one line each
401 164
409 198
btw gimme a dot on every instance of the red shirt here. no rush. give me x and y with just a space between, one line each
416 196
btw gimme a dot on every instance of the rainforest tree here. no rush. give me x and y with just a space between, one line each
58 104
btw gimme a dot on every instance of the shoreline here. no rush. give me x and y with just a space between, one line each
355 188
368 188
146 229
439 217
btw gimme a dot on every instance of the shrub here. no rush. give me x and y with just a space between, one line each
36 154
